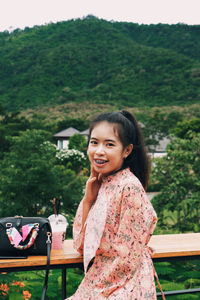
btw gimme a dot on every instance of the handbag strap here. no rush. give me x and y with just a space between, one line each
159 285
34 233
45 286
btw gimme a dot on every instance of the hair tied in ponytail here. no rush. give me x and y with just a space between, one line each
125 113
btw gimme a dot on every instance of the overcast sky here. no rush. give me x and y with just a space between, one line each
22 13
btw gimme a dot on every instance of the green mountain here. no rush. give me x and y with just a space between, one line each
100 62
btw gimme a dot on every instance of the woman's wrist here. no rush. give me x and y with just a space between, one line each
87 201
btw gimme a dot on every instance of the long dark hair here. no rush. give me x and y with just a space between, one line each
129 133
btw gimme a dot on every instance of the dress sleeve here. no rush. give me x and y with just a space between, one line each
134 231
78 231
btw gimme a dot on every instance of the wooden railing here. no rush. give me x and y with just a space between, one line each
168 247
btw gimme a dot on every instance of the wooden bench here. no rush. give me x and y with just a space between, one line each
167 247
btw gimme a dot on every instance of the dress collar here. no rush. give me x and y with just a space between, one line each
115 174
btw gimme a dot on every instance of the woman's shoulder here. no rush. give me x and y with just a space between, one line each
129 179
124 179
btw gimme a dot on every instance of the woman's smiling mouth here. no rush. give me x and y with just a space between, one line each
100 161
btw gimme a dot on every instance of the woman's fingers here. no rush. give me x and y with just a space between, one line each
92 171
100 177
92 179
92 186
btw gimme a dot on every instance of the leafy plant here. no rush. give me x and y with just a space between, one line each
31 176
178 174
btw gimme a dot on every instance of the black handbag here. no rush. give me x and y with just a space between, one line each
24 236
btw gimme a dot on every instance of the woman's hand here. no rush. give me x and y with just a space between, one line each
92 187
91 191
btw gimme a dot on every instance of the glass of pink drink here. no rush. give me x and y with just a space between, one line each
59 226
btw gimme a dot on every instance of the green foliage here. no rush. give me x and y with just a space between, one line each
178 174
164 268
4 142
75 277
73 193
78 123
78 142
183 129
181 38
178 275
157 125
98 61
11 124
30 176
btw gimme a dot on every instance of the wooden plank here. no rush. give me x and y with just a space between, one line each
168 245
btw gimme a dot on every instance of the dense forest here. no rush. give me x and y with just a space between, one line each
98 61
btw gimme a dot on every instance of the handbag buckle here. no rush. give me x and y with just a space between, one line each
48 237
8 225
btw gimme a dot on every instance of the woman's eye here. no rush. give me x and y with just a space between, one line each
93 142
110 144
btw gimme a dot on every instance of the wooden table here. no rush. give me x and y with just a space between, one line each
167 247
175 245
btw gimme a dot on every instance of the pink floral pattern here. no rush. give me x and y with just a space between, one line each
116 234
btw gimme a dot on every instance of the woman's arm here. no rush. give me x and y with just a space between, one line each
91 191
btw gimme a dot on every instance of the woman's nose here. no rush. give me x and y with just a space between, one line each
100 149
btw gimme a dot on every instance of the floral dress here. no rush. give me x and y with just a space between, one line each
115 237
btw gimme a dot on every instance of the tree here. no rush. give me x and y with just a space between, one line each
78 142
11 124
157 125
179 176
31 176
4 141
77 123
125 64
183 129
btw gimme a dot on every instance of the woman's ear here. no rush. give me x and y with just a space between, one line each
128 150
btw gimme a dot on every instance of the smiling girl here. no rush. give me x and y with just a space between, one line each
115 218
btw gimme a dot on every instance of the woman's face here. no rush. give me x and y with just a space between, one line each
105 150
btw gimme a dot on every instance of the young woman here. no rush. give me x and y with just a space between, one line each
115 219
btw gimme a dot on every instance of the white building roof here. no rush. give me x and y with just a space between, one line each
67 133
85 132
